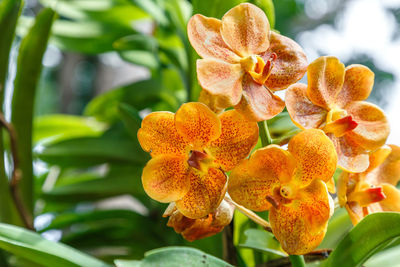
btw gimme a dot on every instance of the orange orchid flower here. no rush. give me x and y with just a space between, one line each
244 62
375 189
292 185
332 101
194 229
190 151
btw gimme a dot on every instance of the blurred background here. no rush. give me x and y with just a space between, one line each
110 60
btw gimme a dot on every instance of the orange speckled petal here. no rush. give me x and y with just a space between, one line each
358 83
351 157
159 136
315 155
197 124
222 80
325 80
245 29
300 226
377 157
238 138
253 180
302 111
389 169
165 178
205 194
373 126
205 37
258 103
392 200
290 64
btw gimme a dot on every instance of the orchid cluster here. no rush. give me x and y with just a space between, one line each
203 159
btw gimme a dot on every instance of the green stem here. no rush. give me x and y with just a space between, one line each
297 260
264 133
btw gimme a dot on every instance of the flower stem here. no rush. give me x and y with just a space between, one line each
297 260
251 215
264 133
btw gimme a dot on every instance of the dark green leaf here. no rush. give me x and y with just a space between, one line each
262 241
131 119
29 65
367 238
175 257
34 247
136 42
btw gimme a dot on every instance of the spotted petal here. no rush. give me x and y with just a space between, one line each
325 80
205 37
387 166
290 64
159 136
245 28
258 103
300 226
165 178
358 83
238 138
373 126
221 80
253 180
197 124
315 155
205 194
302 111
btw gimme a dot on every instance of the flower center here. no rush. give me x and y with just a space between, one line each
258 69
199 160
338 122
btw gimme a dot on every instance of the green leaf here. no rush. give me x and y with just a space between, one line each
32 246
154 10
131 119
114 145
174 257
57 127
367 238
388 257
136 42
29 65
262 241
141 58
338 226
9 13
268 7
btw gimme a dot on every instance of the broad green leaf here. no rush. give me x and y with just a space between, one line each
29 65
9 13
154 10
131 119
141 58
175 257
214 8
367 238
388 257
32 246
57 127
127 263
262 241
115 145
140 95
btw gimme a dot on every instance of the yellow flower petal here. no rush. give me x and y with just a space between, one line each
165 178
315 155
221 80
197 124
258 103
216 104
358 83
159 136
238 138
301 225
325 80
302 111
245 28
373 127
205 37
205 194
392 200
386 163
253 180
290 64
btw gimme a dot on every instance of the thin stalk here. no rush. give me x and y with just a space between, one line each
16 176
297 260
265 136
251 215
